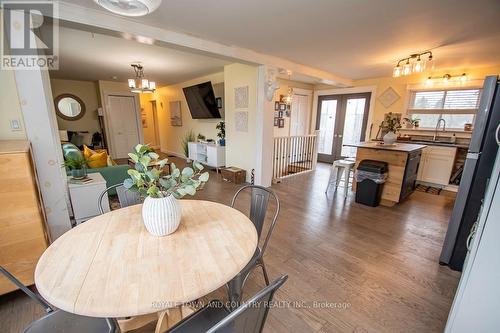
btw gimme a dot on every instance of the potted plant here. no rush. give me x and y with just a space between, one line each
161 211
411 122
76 166
391 124
188 137
221 133
201 137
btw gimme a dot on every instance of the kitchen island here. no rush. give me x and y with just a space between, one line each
403 160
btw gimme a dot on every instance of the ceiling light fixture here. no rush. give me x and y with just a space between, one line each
446 79
139 84
412 64
129 7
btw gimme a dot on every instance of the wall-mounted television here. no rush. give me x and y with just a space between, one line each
201 101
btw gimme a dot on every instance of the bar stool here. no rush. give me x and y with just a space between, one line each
340 167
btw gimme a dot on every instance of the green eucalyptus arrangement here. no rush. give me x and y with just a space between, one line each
149 182
391 123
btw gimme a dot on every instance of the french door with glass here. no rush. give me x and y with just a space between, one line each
341 120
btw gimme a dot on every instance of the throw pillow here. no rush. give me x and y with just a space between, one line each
95 159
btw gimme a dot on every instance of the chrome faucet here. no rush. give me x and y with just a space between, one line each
437 127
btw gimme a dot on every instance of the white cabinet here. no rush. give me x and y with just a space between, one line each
209 154
84 198
436 164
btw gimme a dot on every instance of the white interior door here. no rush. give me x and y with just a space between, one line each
122 124
299 114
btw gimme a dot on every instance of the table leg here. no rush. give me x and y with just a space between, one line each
136 322
170 317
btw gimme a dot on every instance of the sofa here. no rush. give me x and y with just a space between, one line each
113 175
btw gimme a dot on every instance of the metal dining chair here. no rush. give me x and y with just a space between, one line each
125 197
258 208
249 317
58 321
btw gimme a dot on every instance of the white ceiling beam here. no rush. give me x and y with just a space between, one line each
102 20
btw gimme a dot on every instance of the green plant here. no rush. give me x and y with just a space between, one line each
201 137
221 128
391 123
413 120
75 163
147 181
188 137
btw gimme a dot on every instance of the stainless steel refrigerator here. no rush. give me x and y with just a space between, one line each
475 177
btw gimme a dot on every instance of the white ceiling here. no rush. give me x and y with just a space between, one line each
355 39
90 56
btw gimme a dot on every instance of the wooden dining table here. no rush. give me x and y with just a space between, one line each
110 266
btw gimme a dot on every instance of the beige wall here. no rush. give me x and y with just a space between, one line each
9 107
241 150
283 90
400 85
171 136
87 91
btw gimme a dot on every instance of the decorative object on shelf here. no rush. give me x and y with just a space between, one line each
392 124
276 106
140 84
388 97
241 97
161 211
221 132
218 101
130 7
69 107
175 113
281 122
77 166
271 84
188 137
241 121
201 137
412 64
446 79
411 122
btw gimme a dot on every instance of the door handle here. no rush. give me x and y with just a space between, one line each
340 135
470 238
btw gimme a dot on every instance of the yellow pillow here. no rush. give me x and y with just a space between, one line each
87 152
95 159
98 160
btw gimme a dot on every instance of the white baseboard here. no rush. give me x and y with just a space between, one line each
173 153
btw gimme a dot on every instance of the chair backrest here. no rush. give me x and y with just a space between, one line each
125 197
26 290
258 208
251 316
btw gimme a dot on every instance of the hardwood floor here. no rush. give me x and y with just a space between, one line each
351 268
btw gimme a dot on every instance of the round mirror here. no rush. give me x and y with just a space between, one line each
69 107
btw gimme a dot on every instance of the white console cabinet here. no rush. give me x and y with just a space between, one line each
207 153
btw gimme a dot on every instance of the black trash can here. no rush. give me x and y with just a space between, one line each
370 177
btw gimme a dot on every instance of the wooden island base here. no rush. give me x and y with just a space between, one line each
403 160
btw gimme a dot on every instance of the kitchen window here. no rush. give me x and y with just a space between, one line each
456 106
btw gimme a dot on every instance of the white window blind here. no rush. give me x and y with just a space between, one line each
457 101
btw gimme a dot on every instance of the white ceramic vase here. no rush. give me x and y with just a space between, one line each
390 138
161 216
